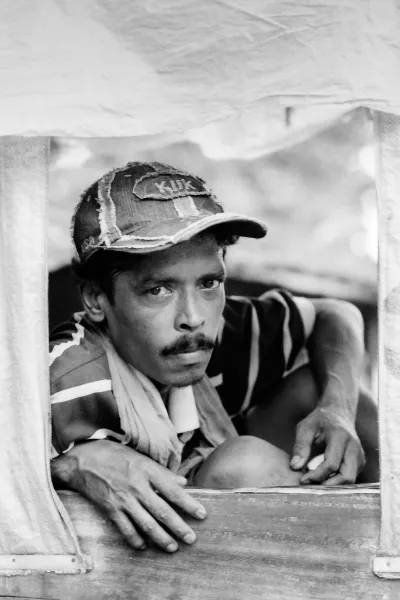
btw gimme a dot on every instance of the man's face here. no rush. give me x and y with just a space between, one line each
167 311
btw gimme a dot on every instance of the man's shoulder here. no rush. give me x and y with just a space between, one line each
270 303
270 297
76 350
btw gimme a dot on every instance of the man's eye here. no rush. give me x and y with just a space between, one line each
211 284
159 291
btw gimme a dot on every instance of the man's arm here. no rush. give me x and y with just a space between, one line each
336 351
133 490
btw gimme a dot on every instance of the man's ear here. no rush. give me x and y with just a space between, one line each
94 301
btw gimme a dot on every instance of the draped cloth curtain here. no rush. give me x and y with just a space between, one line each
34 527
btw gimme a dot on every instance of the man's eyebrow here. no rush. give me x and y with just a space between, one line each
147 280
218 273
154 279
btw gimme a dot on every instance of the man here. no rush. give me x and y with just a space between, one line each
153 383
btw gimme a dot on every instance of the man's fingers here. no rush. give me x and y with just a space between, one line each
347 472
305 434
333 458
178 496
151 529
353 462
338 479
166 515
127 529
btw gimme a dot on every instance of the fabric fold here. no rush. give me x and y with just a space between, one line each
145 420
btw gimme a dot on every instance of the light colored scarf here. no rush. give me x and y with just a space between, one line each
145 419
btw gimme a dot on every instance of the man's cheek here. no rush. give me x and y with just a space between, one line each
152 341
216 315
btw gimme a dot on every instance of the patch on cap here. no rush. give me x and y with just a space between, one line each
166 186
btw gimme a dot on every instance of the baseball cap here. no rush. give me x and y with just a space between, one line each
148 206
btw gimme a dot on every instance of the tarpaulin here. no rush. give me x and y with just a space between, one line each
121 68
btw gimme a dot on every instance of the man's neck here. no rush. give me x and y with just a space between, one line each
163 389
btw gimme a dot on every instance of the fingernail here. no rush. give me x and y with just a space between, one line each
305 481
201 513
189 538
172 547
142 547
296 462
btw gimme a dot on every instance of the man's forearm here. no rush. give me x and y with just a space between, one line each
336 350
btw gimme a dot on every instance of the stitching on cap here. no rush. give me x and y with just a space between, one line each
163 240
128 237
110 232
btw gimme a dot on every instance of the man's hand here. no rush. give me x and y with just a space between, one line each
343 456
133 490
336 350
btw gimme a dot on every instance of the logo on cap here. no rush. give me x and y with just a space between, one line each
168 187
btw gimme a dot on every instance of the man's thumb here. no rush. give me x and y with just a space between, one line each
302 447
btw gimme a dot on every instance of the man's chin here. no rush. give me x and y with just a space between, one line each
192 381
183 379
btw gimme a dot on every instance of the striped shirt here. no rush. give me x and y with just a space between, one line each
261 340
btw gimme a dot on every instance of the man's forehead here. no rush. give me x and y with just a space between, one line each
202 251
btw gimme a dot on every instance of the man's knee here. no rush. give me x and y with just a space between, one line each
246 461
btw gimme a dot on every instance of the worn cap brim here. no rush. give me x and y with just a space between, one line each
171 232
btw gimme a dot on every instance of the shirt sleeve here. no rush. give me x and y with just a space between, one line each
83 406
261 341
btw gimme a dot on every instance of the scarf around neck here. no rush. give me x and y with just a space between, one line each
144 417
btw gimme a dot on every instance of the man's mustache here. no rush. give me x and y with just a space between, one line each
189 344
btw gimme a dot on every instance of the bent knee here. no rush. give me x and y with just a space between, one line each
246 461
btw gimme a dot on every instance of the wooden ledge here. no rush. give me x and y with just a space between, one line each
286 543
316 490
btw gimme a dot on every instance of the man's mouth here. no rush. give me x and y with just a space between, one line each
194 350
191 357
187 346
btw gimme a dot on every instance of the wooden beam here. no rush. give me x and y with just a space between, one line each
285 543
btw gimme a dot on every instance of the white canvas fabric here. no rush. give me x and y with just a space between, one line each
388 127
96 68
32 519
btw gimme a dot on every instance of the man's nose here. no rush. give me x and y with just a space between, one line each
189 316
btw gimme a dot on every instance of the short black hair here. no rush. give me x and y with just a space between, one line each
103 265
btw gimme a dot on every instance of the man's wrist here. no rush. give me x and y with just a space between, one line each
344 407
340 395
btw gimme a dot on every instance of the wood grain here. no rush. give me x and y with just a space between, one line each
253 545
